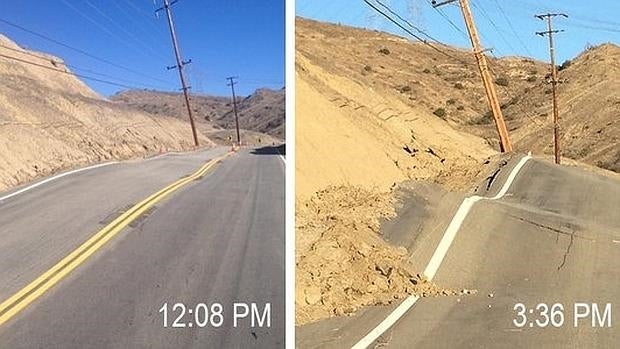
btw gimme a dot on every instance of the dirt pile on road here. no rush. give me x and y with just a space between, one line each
50 121
261 112
342 262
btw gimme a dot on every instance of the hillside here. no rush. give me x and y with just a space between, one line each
447 83
589 105
365 104
50 121
262 112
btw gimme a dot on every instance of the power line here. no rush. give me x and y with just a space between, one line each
70 73
406 21
148 33
411 33
585 26
121 28
105 29
512 28
456 27
495 26
56 63
87 54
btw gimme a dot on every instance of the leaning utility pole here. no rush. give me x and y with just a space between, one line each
234 98
487 79
554 79
180 64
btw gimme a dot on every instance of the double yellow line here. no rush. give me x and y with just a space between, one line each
47 280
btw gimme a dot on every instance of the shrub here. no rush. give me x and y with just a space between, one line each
459 86
426 71
441 112
502 81
567 63
531 78
451 101
385 51
460 108
368 68
485 119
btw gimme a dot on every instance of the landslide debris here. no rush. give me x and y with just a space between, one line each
342 262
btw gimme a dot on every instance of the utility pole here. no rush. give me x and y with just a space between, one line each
487 79
554 79
232 83
180 64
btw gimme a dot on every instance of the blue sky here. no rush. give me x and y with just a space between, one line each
243 38
590 22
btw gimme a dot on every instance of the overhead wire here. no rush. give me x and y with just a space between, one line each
417 29
486 15
418 37
121 28
58 62
452 24
80 51
512 28
525 113
141 24
106 30
70 73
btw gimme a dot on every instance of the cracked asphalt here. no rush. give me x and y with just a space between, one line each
553 238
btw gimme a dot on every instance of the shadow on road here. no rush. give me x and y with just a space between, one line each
270 150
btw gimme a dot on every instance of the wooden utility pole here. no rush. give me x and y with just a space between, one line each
487 79
234 98
554 79
180 65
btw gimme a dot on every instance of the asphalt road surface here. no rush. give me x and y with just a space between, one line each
553 238
217 240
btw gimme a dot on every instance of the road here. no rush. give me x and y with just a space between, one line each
554 237
217 239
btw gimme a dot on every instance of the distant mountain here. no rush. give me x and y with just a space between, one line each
263 111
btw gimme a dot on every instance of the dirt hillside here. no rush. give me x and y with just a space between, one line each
364 110
589 105
50 121
261 112
447 84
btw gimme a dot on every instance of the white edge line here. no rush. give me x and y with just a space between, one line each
23 190
47 180
281 156
438 256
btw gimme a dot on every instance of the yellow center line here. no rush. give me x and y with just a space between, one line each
47 280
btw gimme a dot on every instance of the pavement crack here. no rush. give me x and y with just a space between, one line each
550 228
570 244
491 178
558 231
